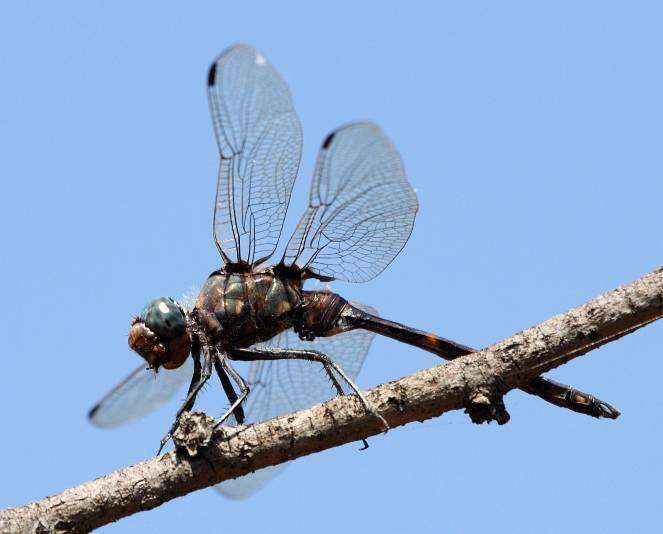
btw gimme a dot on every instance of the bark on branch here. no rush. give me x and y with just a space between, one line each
476 382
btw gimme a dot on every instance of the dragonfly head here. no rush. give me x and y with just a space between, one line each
160 334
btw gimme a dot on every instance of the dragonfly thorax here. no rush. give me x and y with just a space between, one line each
240 309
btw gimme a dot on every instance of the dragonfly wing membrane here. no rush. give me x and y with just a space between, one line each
361 207
285 386
139 394
260 141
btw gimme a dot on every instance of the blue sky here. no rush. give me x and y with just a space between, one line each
532 134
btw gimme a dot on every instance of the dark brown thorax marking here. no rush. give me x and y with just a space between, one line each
240 309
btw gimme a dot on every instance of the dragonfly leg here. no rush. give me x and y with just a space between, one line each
200 376
328 364
228 388
236 405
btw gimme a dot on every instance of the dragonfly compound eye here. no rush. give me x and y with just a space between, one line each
165 318
160 334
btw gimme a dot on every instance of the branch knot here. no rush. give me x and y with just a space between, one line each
484 407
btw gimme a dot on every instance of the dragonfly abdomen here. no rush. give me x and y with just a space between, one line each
321 314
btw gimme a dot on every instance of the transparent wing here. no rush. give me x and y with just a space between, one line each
244 487
281 387
361 207
138 394
260 143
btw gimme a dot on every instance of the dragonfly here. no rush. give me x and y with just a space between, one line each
303 346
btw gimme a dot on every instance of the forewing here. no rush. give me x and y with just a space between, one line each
285 386
260 142
361 207
138 394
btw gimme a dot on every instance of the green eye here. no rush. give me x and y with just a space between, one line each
164 317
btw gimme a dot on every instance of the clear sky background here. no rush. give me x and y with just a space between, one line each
532 134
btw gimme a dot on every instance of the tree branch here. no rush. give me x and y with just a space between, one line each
476 382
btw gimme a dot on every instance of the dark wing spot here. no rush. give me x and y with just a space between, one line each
211 75
93 411
328 140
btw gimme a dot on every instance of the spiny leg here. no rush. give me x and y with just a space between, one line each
340 391
328 364
197 381
228 389
242 385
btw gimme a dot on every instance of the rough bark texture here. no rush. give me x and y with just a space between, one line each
475 382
